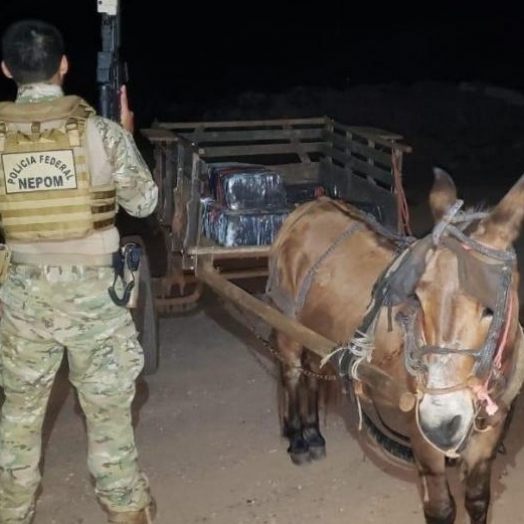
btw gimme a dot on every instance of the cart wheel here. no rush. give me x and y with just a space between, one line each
145 317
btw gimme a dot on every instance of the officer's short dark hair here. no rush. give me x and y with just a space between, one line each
32 50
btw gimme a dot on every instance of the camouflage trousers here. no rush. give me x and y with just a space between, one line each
47 310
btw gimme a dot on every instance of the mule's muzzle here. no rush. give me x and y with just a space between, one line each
446 420
445 436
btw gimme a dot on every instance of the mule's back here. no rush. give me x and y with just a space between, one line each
323 265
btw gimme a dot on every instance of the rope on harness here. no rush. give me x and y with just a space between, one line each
350 356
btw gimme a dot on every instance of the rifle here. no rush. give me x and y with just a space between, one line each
111 71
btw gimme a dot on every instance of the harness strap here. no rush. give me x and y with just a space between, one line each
287 303
308 279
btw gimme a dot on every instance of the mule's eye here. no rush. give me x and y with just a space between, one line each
487 312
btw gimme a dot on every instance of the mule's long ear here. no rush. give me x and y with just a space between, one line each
443 194
502 226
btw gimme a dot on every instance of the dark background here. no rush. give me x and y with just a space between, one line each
200 52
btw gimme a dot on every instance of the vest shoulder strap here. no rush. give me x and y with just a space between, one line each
59 109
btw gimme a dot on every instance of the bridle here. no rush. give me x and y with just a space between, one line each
396 287
497 266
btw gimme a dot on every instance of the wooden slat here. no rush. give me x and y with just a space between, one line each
374 134
354 164
255 149
217 252
275 135
302 151
375 131
159 135
342 144
316 121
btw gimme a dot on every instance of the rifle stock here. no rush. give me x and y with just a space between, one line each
111 70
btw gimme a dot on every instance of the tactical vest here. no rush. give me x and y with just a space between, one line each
45 185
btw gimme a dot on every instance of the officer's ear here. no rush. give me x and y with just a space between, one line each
6 71
64 66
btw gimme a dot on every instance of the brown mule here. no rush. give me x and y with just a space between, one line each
436 316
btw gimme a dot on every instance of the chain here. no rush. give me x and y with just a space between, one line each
302 370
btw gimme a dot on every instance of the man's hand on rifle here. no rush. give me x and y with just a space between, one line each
127 117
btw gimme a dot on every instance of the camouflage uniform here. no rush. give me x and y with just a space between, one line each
47 308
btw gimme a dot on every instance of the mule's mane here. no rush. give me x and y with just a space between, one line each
476 213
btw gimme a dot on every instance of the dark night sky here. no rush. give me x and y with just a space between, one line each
195 51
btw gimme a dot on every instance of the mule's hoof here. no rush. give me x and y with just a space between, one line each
317 452
300 459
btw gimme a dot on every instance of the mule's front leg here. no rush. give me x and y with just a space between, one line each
292 382
478 492
315 440
477 466
439 505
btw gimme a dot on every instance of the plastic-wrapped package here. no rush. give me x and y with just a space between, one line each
303 192
246 227
246 186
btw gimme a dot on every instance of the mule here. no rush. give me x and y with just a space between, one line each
437 317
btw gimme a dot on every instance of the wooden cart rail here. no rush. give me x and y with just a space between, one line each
291 144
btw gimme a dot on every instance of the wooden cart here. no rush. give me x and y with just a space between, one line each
359 164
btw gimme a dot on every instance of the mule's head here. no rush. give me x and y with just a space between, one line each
467 321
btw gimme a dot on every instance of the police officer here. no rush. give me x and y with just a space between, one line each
63 173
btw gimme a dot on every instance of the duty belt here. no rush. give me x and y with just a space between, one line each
63 259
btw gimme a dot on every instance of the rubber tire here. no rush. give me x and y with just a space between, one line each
146 318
